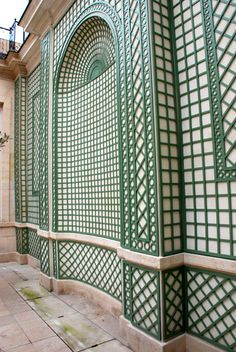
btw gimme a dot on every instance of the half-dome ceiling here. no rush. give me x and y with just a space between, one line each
90 52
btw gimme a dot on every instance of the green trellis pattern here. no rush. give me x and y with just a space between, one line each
101 8
16 151
44 256
95 266
33 141
34 244
36 142
44 98
224 18
167 126
219 39
224 27
22 240
87 139
55 258
173 301
94 43
20 150
77 9
210 213
141 298
137 152
211 309
140 204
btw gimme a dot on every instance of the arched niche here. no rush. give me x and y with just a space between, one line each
87 152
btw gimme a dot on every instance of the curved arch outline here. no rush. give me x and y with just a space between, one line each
107 13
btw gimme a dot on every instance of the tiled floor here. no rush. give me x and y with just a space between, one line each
34 320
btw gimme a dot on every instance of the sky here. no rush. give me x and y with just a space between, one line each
9 10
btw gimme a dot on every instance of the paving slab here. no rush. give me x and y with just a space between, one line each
78 332
3 310
53 344
110 346
30 290
34 320
94 313
33 326
11 336
50 307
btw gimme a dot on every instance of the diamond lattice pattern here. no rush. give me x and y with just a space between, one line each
33 244
211 308
93 265
173 289
44 260
142 298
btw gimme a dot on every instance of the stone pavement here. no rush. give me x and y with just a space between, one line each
34 320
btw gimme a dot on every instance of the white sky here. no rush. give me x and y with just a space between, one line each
9 10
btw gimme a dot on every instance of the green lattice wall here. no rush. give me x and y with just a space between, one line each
210 205
198 301
173 302
87 135
33 145
131 90
211 310
22 245
20 150
167 113
34 244
44 96
44 256
93 265
135 117
142 298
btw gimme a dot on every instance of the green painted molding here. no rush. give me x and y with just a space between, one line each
20 150
220 135
43 152
33 144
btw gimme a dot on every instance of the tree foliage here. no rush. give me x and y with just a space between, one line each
4 138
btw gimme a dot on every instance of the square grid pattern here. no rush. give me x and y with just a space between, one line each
36 141
95 266
137 120
210 206
33 130
211 309
173 301
141 298
43 147
224 22
20 150
167 127
220 42
87 159
16 150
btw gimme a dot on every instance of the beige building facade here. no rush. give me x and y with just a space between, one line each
119 179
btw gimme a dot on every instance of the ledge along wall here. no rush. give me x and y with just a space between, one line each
128 180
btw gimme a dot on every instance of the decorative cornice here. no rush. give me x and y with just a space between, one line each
12 66
40 15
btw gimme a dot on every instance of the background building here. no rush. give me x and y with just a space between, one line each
124 172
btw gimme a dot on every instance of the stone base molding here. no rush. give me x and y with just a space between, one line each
140 342
108 303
